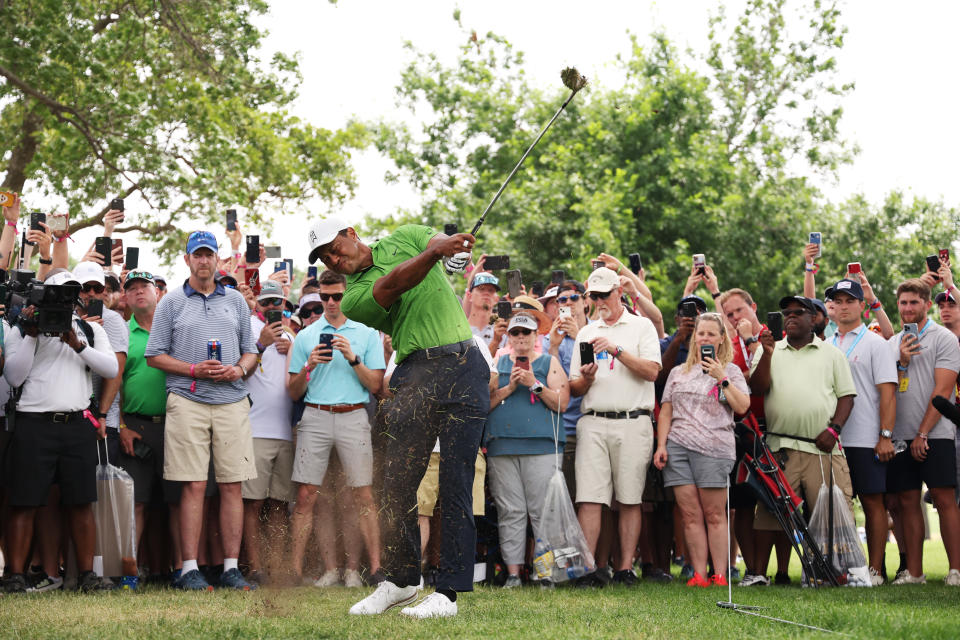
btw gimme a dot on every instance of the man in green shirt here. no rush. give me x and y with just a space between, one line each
144 410
398 285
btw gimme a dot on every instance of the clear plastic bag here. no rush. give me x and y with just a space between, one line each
847 552
116 522
561 553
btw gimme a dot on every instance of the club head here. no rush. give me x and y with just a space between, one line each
572 79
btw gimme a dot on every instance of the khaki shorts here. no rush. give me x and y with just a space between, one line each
803 472
612 459
274 460
193 429
319 432
430 486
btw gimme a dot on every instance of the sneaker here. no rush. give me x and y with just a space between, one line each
41 582
904 577
678 561
697 581
233 579
755 580
686 572
14 583
386 596
129 583
625 577
512 582
590 581
656 574
718 580
952 579
89 581
435 605
351 578
781 579
734 574
329 579
192 580
876 578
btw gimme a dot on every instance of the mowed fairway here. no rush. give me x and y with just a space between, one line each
648 610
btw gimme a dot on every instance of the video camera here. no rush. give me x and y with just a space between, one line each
53 303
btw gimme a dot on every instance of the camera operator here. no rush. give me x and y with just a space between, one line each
55 435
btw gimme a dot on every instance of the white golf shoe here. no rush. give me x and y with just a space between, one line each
435 605
386 596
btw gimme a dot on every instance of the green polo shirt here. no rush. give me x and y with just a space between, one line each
804 386
144 388
428 315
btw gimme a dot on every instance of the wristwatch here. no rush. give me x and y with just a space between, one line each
619 351
725 383
243 368
749 341
886 433
537 389
355 361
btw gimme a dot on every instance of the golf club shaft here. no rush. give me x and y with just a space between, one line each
522 158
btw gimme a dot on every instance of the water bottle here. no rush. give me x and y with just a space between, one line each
576 568
543 560
899 446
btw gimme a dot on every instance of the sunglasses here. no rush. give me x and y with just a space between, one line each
336 296
309 311
787 313
599 296
518 331
95 287
272 302
573 297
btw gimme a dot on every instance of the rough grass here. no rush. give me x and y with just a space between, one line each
645 611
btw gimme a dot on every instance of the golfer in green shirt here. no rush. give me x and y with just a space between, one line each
398 285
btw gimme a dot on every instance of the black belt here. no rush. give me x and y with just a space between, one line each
457 348
145 418
53 416
620 415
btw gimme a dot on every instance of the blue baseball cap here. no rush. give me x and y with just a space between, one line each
201 239
485 278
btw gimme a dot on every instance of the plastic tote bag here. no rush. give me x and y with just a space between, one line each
561 553
833 527
115 553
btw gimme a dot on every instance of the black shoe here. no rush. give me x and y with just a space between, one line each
781 579
656 574
14 583
604 574
625 577
590 581
89 581
375 578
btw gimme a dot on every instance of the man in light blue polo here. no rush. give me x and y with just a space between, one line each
337 381
207 404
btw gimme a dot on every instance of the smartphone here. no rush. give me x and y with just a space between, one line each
536 289
104 246
253 250
273 251
933 264
775 324
274 315
312 271
132 259
854 267
7 198
450 229
231 219
94 308
945 256
289 262
141 449
817 239
279 265
563 312
635 265
688 309
326 341
57 222
503 309
708 351
117 244
35 219
700 263
514 282
586 353
523 362
117 203
911 329
596 264
557 277
495 263
252 279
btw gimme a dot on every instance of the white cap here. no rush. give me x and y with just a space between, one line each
525 321
61 277
322 233
307 298
88 271
602 280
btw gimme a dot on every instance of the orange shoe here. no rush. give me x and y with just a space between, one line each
718 580
697 581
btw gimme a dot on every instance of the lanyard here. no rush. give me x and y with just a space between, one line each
855 342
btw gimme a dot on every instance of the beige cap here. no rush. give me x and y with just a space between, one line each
602 280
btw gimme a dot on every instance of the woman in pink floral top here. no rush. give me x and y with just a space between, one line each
695 444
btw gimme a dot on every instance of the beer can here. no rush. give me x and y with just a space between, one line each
213 350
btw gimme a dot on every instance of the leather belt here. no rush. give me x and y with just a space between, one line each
145 418
456 348
336 408
620 415
54 416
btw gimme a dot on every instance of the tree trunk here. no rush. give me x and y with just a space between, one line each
23 153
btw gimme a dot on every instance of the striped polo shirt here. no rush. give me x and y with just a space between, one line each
185 320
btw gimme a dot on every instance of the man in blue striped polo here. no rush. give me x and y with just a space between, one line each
207 403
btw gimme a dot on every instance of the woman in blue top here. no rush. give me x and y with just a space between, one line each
528 391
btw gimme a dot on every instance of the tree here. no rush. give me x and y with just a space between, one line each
166 99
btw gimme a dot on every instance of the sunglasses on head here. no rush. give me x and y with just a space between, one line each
309 311
573 297
336 296
92 286
516 331
599 296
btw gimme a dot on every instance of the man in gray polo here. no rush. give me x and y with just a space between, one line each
201 338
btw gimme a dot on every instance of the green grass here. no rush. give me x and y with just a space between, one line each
654 611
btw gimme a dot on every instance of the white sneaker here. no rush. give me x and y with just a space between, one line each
754 580
330 578
435 605
875 578
386 597
904 577
351 578
952 579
